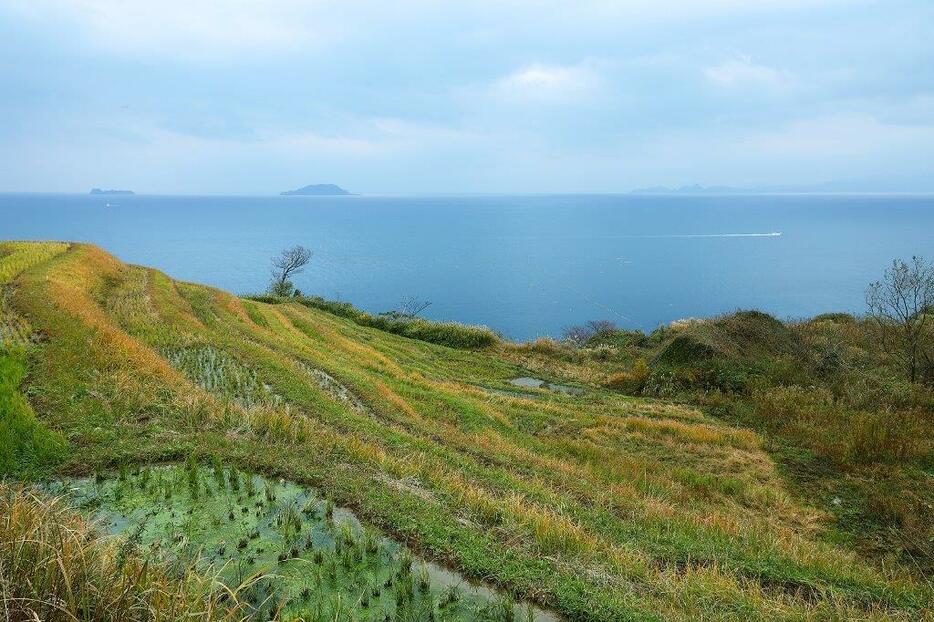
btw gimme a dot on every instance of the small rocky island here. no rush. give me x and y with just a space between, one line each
317 190
99 191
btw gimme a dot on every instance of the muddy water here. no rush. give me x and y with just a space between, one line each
527 382
316 561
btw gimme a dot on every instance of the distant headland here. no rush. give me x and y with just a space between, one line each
317 190
99 191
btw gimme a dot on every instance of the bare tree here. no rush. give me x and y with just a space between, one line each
901 305
581 334
411 306
290 262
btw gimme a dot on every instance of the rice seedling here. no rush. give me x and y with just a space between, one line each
290 550
217 372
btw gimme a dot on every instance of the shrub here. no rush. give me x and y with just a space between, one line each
602 352
619 339
545 345
581 334
451 334
814 418
661 383
686 349
836 318
281 289
631 381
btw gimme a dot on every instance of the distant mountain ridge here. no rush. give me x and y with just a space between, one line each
317 190
99 191
906 184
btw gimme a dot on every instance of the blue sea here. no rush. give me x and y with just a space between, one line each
523 265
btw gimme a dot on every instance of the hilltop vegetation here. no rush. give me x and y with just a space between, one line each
629 501
848 430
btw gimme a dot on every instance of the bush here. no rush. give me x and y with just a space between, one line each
602 352
814 418
451 334
632 381
836 318
661 382
581 335
545 345
281 289
619 339
686 349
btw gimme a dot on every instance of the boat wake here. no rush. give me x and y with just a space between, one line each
770 234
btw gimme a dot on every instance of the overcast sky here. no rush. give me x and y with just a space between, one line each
227 96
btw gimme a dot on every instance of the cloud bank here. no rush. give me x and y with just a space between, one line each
516 96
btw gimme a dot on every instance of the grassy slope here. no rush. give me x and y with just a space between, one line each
601 506
836 413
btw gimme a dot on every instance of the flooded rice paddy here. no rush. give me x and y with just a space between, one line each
292 552
527 382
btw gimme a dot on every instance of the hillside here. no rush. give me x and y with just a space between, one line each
108 191
317 190
598 506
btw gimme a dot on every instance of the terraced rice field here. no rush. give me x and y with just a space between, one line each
594 505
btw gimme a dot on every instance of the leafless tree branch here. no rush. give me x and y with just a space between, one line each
900 305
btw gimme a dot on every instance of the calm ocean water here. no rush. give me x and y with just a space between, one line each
524 265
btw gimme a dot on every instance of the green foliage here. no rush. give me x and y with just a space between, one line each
451 334
632 381
685 350
740 335
26 445
281 289
619 339
814 417
837 318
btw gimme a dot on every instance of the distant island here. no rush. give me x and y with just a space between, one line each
317 190
692 189
903 184
99 191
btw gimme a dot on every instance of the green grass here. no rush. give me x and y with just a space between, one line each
27 446
601 506
451 334
18 256
824 386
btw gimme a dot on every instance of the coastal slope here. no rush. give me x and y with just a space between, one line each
594 504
